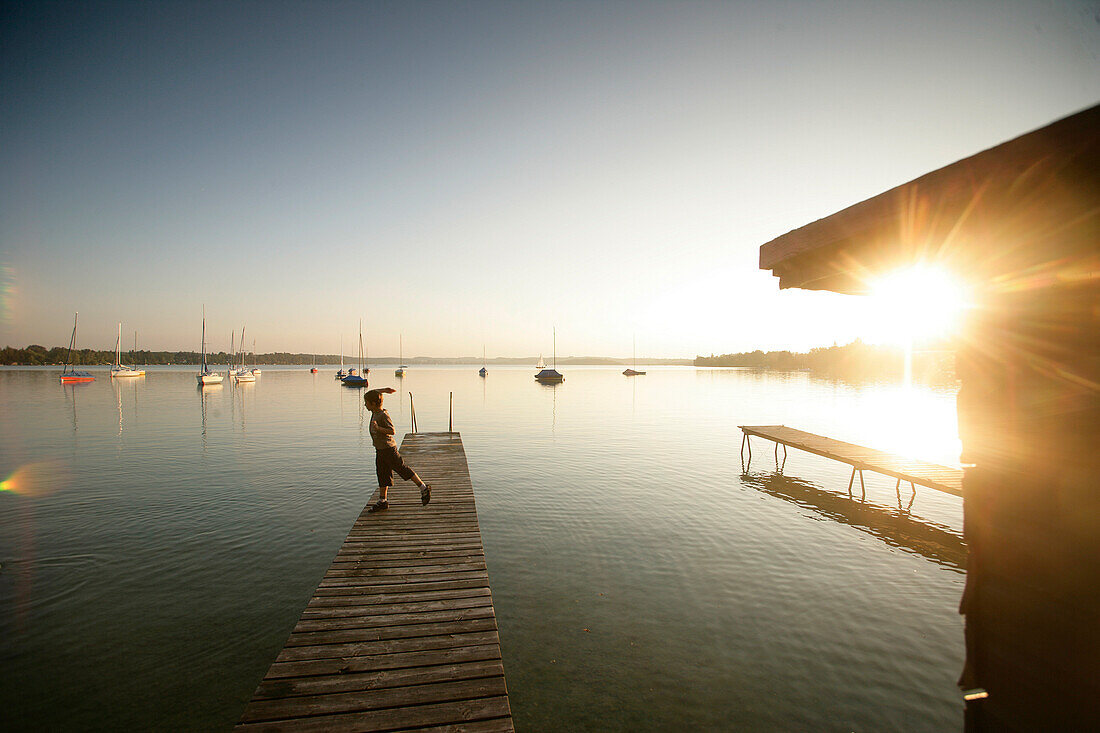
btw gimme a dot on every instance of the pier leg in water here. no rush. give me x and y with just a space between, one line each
387 459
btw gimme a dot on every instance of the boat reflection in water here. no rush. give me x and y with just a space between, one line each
895 526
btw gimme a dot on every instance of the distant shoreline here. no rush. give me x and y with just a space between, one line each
40 356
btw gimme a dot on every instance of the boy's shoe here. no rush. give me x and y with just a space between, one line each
426 494
379 506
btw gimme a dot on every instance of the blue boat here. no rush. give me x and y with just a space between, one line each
357 378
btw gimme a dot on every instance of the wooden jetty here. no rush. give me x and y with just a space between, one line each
860 458
401 633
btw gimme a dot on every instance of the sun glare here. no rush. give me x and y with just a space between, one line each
915 305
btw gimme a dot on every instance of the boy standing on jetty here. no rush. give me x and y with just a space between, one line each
386 458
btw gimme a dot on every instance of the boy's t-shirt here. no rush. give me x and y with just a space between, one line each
381 429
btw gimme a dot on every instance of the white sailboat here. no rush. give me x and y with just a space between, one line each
119 369
400 370
238 365
206 375
244 374
551 376
255 370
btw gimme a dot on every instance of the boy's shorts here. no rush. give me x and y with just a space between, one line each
388 460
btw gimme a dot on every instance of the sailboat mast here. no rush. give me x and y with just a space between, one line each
72 344
360 347
555 347
118 346
204 338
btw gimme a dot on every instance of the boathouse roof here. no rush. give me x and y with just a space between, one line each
1018 215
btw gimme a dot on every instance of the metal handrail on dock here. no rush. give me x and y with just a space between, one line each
401 633
860 458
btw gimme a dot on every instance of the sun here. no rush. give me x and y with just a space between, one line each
916 305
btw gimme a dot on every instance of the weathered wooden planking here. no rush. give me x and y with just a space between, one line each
932 475
401 633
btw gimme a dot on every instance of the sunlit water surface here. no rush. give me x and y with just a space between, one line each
158 542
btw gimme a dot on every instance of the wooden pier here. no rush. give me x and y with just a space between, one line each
860 458
401 633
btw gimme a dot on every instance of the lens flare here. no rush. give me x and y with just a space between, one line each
36 479
916 304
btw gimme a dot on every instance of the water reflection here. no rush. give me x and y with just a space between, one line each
119 387
895 526
205 393
70 397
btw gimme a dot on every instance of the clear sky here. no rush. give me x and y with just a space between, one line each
476 173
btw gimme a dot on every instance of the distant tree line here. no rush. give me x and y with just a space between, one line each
36 355
855 361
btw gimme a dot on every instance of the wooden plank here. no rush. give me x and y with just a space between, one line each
401 632
393 660
941 478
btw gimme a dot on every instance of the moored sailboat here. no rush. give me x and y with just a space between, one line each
357 379
68 374
552 375
119 369
633 371
400 370
206 375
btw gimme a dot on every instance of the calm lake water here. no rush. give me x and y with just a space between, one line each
158 542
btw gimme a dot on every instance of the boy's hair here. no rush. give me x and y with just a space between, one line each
372 396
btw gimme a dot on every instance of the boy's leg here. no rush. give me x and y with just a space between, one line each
385 478
408 474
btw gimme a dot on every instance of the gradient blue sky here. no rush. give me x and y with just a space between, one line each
469 173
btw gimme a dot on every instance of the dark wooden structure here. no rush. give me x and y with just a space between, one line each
861 458
401 633
1020 222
